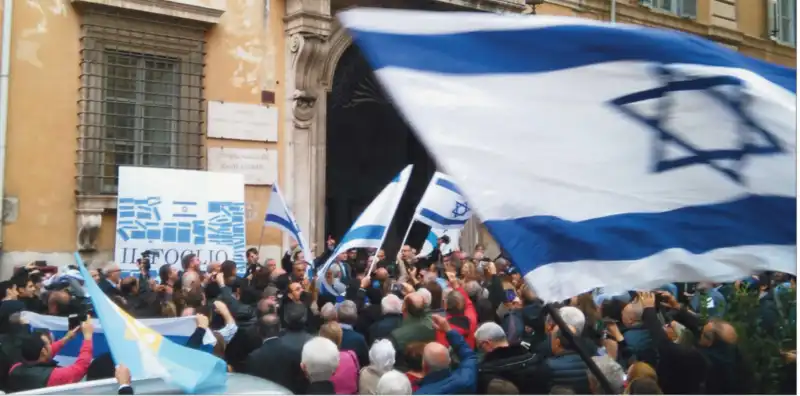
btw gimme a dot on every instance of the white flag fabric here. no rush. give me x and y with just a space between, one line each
278 215
369 229
622 157
432 240
442 205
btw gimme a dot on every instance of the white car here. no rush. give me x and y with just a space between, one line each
238 384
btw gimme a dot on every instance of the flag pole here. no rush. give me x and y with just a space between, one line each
261 239
567 333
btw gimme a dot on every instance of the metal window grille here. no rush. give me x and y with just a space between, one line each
786 21
141 100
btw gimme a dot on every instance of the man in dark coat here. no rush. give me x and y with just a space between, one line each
283 362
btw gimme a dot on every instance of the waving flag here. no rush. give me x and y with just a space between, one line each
442 205
148 354
177 330
369 229
278 215
432 240
621 157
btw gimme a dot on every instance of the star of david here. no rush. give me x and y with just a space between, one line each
735 100
461 209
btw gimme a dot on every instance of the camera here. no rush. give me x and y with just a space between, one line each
146 261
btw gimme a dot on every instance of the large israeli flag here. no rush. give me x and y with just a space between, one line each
278 215
369 229
442 205
148 354
620 157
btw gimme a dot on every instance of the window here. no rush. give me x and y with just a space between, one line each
782 20
141 97
683 8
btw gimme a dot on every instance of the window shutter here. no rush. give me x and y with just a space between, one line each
648 3
772 19
688 8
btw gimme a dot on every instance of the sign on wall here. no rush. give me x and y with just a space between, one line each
259 166
242 121
177 212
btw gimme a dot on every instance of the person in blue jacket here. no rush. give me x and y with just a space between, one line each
439 378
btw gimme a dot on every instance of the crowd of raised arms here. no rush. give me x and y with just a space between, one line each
442 324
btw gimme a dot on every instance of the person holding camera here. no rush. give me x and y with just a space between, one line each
38 370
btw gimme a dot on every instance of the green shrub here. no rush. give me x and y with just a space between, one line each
760 345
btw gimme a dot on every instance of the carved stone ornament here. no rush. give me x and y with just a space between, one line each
89 223
303 108
309 51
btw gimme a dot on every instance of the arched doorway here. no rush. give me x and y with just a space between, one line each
367 144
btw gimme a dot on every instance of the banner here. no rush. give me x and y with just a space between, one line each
176 329
177 212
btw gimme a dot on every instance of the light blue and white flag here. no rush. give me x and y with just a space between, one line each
148 354
369 229
622 157
432 240
442 205
278 215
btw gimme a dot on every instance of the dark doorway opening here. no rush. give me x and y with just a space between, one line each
368 143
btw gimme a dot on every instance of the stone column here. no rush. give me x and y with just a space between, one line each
308 26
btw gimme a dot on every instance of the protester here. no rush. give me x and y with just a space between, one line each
476 328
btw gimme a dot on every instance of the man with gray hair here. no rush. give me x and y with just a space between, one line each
328 313
347 312
391 318
572 316
394 383
319 360
513 363
612 371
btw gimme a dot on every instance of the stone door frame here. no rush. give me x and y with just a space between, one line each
314 44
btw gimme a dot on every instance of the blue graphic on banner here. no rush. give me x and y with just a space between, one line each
226 227
140 219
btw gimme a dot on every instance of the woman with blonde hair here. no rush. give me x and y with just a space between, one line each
381 361
345 378
639 370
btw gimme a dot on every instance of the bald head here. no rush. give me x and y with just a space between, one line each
381 274
435 357
414 305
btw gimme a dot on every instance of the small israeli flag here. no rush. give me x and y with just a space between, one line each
278 215
443 206
369 230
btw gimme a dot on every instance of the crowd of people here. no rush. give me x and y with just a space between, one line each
442 324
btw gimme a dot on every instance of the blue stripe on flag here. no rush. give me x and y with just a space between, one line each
283 222
439 219
497 52
448 185
364 232
755 220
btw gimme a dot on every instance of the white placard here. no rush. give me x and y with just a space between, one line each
177 212
259 166
242 121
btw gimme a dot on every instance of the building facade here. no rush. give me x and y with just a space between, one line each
93 84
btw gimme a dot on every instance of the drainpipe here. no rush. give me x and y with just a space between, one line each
5 73
613 11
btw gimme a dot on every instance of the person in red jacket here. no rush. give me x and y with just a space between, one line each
38 370
461 313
